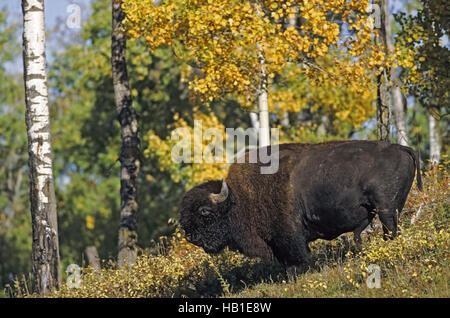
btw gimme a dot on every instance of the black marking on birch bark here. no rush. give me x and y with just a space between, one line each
39 144
46 188
127 115
128 222
30 58
43 255
36 9
35 76
32 92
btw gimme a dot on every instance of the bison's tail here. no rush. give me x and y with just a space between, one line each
416 159
419 178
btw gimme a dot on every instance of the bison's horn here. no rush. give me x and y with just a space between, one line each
222 196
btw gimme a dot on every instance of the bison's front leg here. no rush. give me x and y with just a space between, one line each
294 253
359 229
299 259
255 246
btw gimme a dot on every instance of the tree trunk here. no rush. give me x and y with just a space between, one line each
285 119
435 147
382 84
130 152
397 100
263 105
399 111
291 23
254 120
263 101
92 257
45 248
263 123
382 108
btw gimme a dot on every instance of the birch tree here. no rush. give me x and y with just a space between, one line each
263 102
262 91
435 147
394 83
383 120
130 153
45 248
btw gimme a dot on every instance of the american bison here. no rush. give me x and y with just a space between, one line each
319 191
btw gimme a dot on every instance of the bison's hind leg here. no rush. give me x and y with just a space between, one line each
388 210
389 220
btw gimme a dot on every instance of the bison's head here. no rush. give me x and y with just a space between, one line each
204 215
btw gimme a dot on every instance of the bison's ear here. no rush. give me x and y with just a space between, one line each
222 196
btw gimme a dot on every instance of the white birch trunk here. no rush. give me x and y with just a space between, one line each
383 124
435 147
254 120
399 113
397 100
45 249
291 23
263 102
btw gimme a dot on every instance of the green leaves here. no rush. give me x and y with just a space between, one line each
15 225
425 60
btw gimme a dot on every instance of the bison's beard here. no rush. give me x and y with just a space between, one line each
212 249
212 243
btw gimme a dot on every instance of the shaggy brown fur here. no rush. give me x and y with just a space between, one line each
320 191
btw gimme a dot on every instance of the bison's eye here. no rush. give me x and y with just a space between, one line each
205 211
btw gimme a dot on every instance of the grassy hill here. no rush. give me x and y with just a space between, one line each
415 264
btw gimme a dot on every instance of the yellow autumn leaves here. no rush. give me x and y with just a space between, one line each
220 37
349 102
307 64
192 173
